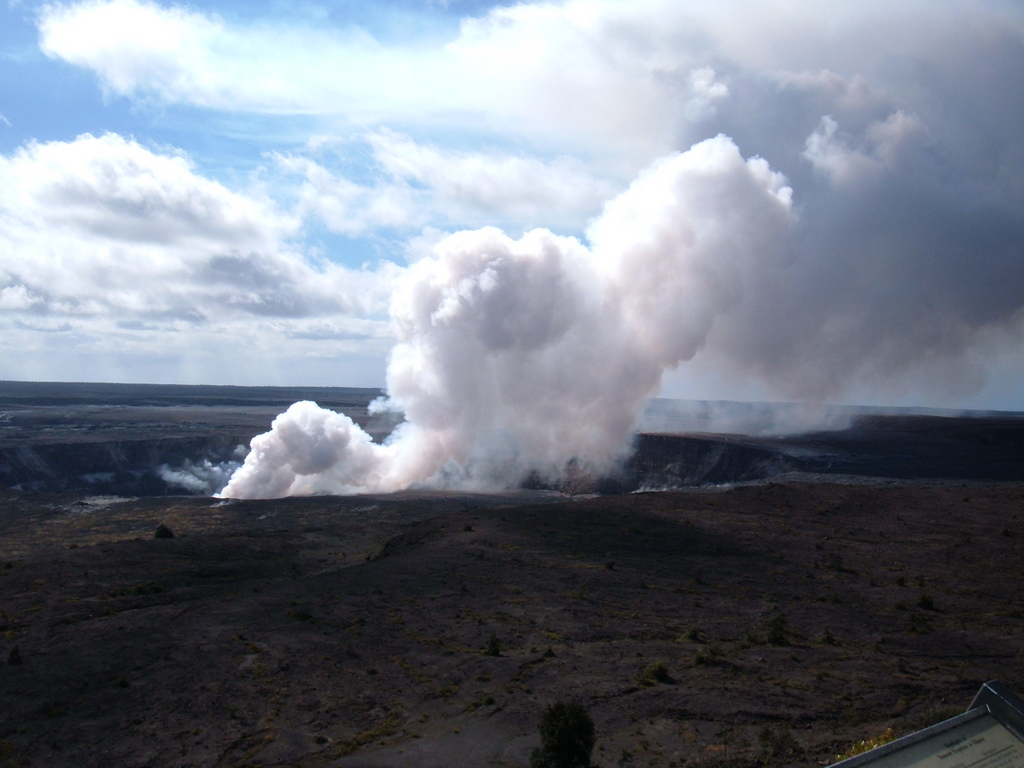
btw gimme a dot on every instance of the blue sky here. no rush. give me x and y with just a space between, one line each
229 192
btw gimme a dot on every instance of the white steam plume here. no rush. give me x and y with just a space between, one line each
542 350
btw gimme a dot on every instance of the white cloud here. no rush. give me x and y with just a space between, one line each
830 154
602 70
884 143
626 78
106 238
419 184
350 208
180 55
113 188
17 297
136 42
494 186
353 209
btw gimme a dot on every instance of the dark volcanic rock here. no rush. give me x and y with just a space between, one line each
897 447
148 440
675 461
130 439
354 632
125 467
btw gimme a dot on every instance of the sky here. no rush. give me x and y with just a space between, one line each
236 193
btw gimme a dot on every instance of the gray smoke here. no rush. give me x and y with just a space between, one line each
203 476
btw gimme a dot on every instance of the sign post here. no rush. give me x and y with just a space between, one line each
990 734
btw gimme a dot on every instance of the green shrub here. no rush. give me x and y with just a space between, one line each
777 744
709 658
493 646
775 629
867 745
147 588
654 673
566 736
300 614
929 716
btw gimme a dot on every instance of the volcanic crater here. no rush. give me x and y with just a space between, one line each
770 622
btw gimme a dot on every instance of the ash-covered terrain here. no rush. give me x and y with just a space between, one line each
791 596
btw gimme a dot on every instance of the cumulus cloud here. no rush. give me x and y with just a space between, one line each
115 189
106 234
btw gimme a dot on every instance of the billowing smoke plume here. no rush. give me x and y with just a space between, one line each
526 355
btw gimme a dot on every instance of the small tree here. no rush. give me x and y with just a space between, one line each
775 627
566 736
494 646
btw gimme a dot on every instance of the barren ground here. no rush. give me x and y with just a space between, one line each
793 619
